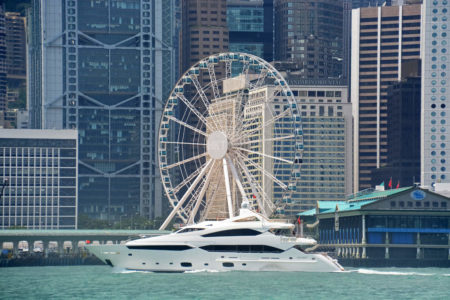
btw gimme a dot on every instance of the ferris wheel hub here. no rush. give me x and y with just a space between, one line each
217 145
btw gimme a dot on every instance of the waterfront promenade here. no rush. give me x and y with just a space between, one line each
59 247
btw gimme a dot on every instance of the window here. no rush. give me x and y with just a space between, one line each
242 248
184 230
234 232
160 247
186 264
228 264
392 203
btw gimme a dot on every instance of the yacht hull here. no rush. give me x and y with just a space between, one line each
291 260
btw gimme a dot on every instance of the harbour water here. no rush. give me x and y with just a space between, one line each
102 282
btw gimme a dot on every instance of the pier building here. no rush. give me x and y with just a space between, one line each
397 227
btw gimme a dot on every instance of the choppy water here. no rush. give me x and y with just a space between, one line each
101 282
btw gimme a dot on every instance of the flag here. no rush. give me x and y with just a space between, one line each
390 183
382 184
299 221
398 184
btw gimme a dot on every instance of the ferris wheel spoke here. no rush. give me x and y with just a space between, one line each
182 143
264 200
265 172
192 108
184 161
228 64
266 140
185 196
203 97
264 155
251 181
261 78
188 179
266 123
199 196
187 125
236 178
212 76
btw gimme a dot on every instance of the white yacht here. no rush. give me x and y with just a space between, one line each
248 242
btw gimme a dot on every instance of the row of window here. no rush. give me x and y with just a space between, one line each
211 248
426 204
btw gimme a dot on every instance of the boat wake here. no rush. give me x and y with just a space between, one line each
393 273
207 271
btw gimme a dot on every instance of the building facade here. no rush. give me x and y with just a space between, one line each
250 25
3 81
407 227
382 38
435 93
309 32
39 179
326 164
105 68
204 31
403 128
16 61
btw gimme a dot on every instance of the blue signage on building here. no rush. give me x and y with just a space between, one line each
418 195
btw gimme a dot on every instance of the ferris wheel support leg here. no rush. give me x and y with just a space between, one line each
227 188
202 193
254 190
236 178
185 196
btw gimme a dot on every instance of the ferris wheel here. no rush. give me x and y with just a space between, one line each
230 132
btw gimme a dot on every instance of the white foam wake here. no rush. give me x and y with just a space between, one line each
204 270
394 273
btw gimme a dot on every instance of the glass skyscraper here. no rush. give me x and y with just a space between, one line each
250 24
435 166
105 67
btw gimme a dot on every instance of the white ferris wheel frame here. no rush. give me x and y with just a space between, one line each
224 145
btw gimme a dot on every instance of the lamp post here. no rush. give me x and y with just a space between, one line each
120 221
5 183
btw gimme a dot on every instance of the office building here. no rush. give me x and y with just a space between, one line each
347 35
309 32
435 93
16 62
3 82
105 68
204 30
403 131
250 25
38 170
382 38
326 168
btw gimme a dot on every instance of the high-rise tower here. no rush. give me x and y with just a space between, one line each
435 156
382 39
309 33
204 30
105 68
251 27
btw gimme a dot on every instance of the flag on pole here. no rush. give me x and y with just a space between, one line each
390 183
398 184
382 184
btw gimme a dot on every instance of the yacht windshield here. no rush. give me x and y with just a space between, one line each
282 232
184 230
